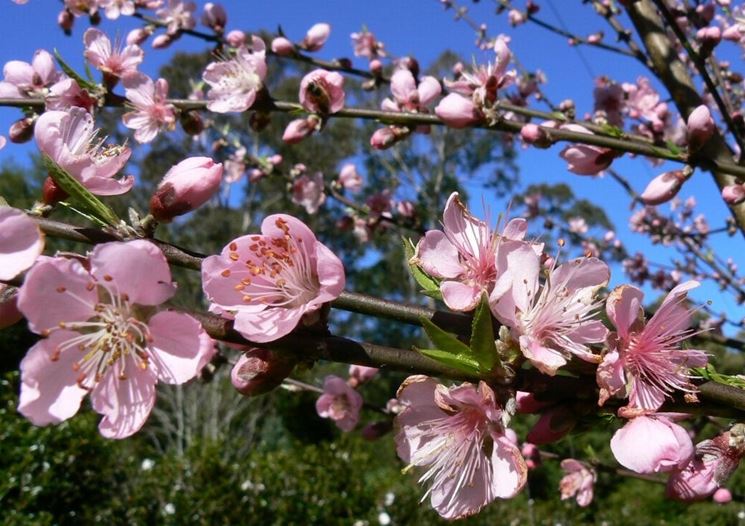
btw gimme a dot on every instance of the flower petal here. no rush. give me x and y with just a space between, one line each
180 347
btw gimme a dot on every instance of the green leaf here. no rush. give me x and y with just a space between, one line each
711 374
83 83
456 361
444 340
80 195
430 286
483 346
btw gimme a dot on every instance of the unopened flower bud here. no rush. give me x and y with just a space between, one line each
457 111
51 193
65 20
535 135
733 194
411 64
162 41
283 47
722 496
376 430
214 17
383 138
701 127
137 37
185 187
258 371
298 130
192 122
235 38
663 188
733 33
21 130
709 38
316 37
9 313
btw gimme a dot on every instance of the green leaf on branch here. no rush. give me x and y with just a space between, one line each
711 374
612 131
483 346
80 197
443 339
87 85
456 361
430 286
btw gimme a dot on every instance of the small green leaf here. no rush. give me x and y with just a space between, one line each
83 83
444 340
81 197
613 131
430 286
456 361
483 347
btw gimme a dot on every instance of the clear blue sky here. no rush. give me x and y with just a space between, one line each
423 29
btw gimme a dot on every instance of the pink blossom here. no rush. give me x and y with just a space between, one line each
115 8
81 7
112 62
578 481
236 38
316 37
467 255
322 91
350 179
268 283
340 403
177 15
124 353
554 424
71 140
235 82
366 45
483 83
308 191
186 187
652 444
645 361
722 496
21 242
663 188
151 113
609 99
299 129
22 79
642 101
586 159
578 225
359 374
554 321
66 94
410 97
138 36
258 371
458 435
714 462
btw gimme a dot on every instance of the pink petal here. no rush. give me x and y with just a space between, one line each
180 347
429 89
460 296
49 389
268 325
651 445
437 256
21 242
43 65
125 403
19 73
135 268
624 306
524 268
56 290
331 276
610 376
544 359
509 471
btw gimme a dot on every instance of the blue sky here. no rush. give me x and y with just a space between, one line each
421 28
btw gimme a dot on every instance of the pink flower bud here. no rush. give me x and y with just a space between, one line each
733 33
535 135
406 208
258 371
162 41
298 130
733 194
137 36
663 188
701 127
316 37
552 425
383 138
235 38
282 47
376 67
376 430
322 91
722 496
9 313
457 111
185 187
214 16
51 194
709 37
706 11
